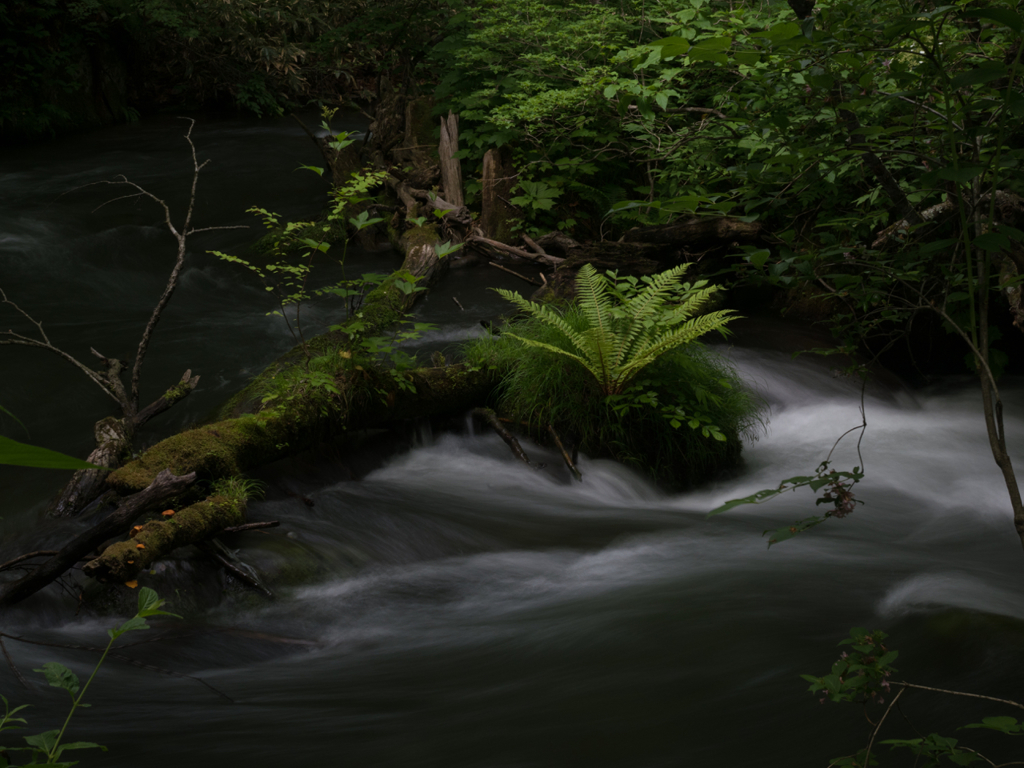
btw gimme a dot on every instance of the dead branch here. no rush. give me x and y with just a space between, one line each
510 440
513 272
551 261
22 558
251 527
164 487
565 454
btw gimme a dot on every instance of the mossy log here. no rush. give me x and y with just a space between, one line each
238 445
123 561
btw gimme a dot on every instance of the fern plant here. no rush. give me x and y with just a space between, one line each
621 374
630 322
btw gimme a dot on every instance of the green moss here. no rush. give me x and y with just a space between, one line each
215 450
124 560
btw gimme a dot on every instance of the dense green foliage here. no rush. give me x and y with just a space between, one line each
620 374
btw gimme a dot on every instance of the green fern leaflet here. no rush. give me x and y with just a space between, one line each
628 327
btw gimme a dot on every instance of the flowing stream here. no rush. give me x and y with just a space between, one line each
468 610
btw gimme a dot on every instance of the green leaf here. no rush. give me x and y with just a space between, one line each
60 676
1004 16
992 241
22 455
1003 724
962 174
44 741
983 73
747 58
780 32
671 46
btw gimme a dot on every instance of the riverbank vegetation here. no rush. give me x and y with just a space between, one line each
855 161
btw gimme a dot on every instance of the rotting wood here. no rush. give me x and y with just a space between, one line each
451 166
164 486
496 183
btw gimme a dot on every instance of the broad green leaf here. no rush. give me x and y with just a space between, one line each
1003 724
992 241
984 73
22 455
747 58
43 741
1004 16
961 175
780 32
60 676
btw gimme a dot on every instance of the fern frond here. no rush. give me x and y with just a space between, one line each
548 316
690 331
596 306
548 347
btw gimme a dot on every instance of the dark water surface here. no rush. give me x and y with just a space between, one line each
471 611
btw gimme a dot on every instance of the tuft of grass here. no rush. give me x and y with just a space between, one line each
680 421
238 489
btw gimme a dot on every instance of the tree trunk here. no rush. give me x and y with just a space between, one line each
451 166
497 181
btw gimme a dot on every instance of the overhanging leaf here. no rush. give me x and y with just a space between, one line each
21 455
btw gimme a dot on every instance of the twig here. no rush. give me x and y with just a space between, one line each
459 303
874 733
172 673
1009 703
492 418
251 526
10 663
511 272
41 553
565 454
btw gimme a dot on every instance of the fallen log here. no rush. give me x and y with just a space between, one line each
238 445
163 486
123 561
698 233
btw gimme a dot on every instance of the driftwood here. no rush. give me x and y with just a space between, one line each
114 436
565 454
163 486
236 446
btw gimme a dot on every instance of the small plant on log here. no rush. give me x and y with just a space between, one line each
46 749
621 373
287 277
